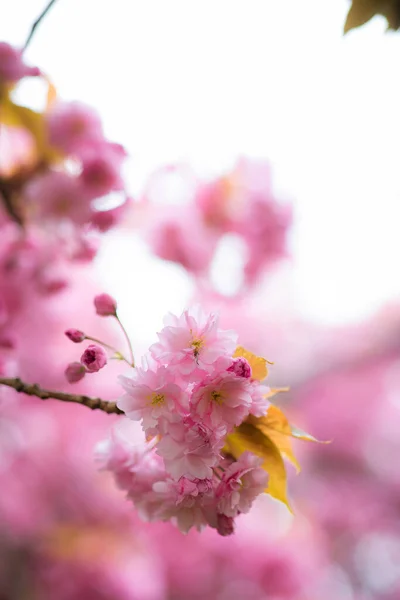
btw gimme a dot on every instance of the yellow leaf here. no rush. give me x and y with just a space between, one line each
51 93
247 437
274 391
14 115
277 428
257 363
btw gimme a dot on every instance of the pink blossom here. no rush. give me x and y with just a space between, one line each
74 127
55 196
264 227
221 399
105 305
104 220
259 401
12 67
74 372
192 343
241 483
94 358
101 170
225 525
86 247
50 281
190 449
152 396
240 367
136 467
75 335
215 200
189 503
182 238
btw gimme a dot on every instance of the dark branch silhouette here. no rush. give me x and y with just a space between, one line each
32 389
37 23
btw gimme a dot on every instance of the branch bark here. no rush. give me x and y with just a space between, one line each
32 389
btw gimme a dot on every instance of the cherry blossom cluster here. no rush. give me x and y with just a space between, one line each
60 189
241 203
60 178
189 395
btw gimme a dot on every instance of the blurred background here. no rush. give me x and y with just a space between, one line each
263 172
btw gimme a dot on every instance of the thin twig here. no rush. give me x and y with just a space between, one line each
132 363
37 22
32 389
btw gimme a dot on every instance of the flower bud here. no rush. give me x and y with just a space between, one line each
74 372
12 67
75 335
94 358
240 367
105 305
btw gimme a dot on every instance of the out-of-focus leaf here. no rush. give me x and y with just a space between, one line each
274 391
14 115
277 428
84 542
51 93
257 363
361 11
247 437
303 435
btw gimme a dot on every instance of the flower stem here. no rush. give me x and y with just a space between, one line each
132 363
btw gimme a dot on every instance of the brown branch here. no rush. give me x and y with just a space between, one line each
32 389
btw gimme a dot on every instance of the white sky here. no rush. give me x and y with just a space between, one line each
205 80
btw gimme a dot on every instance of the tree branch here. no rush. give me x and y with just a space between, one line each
37 22
32 389
6 196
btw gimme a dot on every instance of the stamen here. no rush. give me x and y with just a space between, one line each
197 343
158 399
217 397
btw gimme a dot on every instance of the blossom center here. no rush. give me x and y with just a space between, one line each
197 344
158 399
217 397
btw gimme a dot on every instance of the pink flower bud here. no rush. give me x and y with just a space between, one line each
94 358
75 335
225 525
105 305
74 372
12 67
240 367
